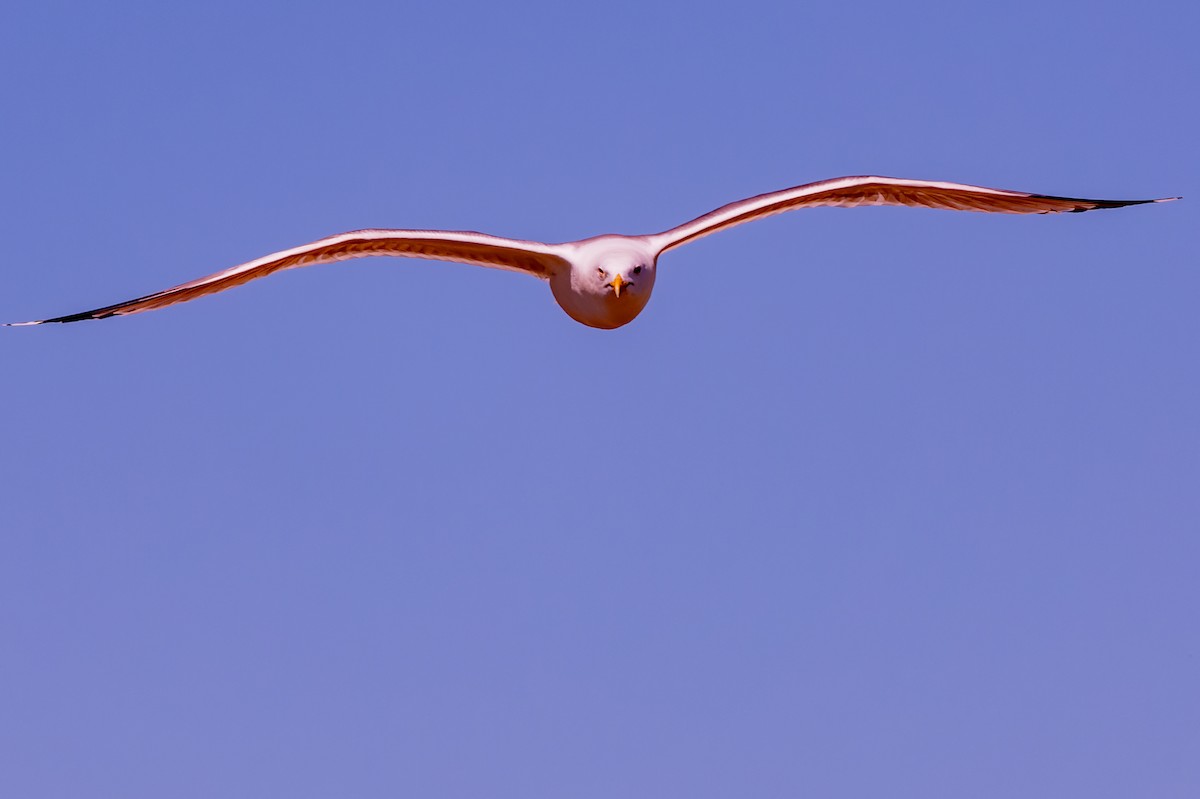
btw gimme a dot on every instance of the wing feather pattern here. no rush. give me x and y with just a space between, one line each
851 192
530 257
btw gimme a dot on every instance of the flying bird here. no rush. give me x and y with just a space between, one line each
604 281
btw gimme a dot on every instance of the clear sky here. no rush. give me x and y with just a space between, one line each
870 503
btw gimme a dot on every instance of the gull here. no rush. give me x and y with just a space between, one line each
604 281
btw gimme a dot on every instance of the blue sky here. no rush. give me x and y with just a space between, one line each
882 502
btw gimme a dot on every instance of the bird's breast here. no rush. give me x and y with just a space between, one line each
604 310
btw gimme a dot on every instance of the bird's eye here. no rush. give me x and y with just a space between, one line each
637 270
602 273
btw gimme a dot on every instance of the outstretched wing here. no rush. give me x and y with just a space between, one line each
531 257
866 190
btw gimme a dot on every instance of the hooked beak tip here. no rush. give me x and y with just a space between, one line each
617 283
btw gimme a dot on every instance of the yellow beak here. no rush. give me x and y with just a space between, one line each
616 283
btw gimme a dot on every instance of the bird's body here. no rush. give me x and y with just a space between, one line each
586 291
605 281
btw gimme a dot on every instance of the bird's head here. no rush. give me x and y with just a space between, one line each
609 282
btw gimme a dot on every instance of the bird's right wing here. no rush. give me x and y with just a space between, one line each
530 257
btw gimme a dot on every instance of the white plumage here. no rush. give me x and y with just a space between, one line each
605 281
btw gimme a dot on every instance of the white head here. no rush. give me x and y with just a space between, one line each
609 282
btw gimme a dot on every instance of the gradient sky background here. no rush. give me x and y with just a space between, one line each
871 503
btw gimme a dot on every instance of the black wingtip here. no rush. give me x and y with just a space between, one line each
78 317
1122 203
1095 205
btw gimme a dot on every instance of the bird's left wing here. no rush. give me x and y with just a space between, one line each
531 257
855 191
